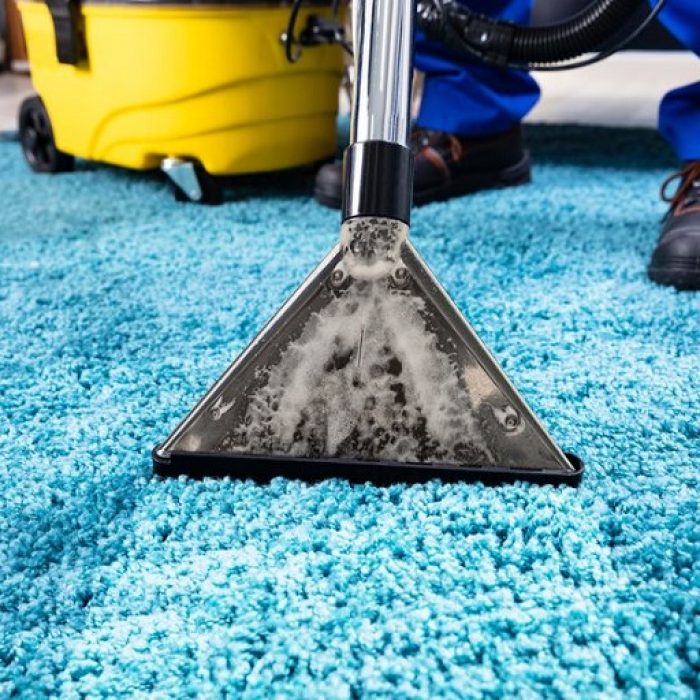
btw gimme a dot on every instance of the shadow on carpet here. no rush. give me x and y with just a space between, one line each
119 307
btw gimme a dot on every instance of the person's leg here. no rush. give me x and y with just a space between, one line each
676 259
468 98
679 113
467 135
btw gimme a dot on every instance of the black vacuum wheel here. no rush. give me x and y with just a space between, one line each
36 136
211 187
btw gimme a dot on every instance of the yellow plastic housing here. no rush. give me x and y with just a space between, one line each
190 81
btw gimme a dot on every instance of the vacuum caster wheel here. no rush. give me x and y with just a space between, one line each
191 182
36 137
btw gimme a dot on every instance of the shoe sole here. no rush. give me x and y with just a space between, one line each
681 273
512 176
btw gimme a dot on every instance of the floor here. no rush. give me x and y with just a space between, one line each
13 89
127 305
623 91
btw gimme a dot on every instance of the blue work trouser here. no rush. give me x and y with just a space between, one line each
466 97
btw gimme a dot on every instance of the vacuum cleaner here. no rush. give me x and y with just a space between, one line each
201 89
369 372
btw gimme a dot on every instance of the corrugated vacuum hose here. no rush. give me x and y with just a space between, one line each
598 29
602 28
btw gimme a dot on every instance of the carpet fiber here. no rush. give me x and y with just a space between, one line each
119 307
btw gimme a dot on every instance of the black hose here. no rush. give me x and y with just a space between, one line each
506 43
583 33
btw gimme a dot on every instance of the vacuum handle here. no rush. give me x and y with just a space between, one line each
70 43
378 164
383 41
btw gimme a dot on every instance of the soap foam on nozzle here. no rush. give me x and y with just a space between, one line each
366 378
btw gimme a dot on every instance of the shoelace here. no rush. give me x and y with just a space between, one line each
422 138
688 192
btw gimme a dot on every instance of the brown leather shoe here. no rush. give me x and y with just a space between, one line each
676 260
447 166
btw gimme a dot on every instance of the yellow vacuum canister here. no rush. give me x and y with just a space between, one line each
199 89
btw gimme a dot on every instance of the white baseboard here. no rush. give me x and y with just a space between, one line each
623 90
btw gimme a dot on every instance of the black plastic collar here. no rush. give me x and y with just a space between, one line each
378 180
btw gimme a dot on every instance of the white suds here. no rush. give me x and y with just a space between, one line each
365 379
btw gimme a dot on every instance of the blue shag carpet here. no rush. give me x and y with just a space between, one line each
119 307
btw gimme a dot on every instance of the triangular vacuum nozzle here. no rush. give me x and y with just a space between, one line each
368 372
